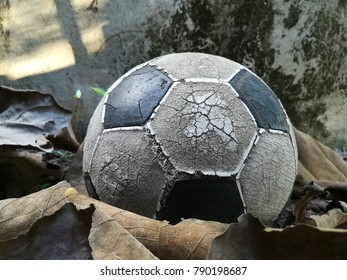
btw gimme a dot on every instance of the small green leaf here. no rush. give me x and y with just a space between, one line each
98 91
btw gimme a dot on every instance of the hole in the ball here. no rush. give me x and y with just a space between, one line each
212 199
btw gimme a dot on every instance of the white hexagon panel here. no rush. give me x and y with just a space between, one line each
191 135
204 127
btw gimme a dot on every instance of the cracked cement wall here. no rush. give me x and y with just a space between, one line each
298 47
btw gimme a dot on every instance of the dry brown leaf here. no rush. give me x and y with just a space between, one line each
317 161
333 219
110 241
322 194
115 233
299 207
60 236
324 167
251 240
17 215
189 239
28 117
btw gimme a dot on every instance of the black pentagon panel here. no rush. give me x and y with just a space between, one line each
260 100
211 199
132 102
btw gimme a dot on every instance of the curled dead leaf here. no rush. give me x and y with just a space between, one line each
334 218
299 207
60 236
110 241
189 239
330 197
114 233
28 117
317 161
17 215
249 239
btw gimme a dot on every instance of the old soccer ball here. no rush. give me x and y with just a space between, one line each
191 135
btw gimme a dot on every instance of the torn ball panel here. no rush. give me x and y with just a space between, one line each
133 100
126 173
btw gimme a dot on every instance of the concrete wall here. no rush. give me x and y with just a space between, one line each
298 47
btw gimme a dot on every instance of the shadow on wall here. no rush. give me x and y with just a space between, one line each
43 50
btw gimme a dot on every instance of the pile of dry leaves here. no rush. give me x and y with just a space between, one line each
62 222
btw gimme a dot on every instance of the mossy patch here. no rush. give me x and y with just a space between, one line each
238 30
